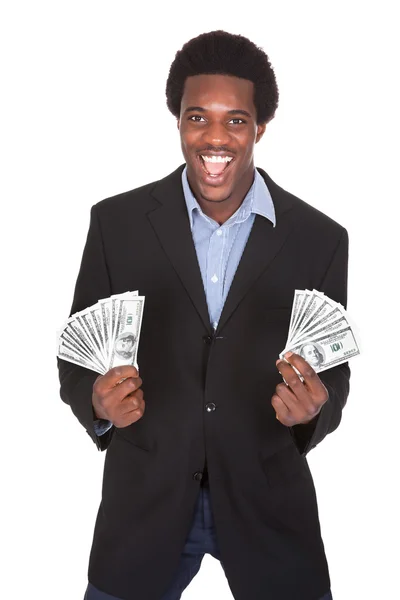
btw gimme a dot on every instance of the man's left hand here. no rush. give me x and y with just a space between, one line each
298 401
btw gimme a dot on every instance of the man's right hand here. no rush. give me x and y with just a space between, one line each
121 403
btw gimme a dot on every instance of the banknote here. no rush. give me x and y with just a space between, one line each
104 335
65 353
125 341
321 331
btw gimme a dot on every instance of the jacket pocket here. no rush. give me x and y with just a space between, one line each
136 435
285 467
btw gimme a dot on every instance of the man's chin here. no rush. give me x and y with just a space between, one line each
215 194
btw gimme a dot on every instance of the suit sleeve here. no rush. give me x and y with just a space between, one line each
93 283
336 379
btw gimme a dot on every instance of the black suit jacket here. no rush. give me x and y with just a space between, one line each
262 491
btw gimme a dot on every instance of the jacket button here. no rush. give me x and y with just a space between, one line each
207 339
210 407
198 476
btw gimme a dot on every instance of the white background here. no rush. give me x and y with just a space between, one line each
83 118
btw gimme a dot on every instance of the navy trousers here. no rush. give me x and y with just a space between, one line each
200 541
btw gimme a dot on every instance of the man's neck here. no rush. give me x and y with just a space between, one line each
219 212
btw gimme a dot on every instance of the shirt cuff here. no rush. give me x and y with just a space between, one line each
101 426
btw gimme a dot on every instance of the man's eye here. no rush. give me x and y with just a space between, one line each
196 119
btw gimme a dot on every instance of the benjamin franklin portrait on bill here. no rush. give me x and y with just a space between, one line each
124 345
313 354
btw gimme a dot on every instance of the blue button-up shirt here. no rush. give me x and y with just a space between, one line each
219 248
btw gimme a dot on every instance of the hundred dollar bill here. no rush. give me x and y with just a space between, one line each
124 344
295 309
104 305
323 308
75 347
65 353
95 315
306 316
328 328
75 344
107 307
327 350
76 329
322 323
115 302
85 321
300 299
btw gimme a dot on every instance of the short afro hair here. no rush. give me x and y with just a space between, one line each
222 53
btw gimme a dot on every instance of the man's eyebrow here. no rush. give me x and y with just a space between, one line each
237 111
195 109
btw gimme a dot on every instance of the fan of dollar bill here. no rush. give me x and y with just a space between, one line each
320 331
105 335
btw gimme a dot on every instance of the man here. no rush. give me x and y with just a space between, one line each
206 449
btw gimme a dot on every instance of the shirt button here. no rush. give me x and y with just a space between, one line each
219 232
214 278
210 407
198 476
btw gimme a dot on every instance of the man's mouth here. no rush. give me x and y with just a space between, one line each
215 165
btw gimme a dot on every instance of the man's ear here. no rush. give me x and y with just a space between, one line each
260 131
177 123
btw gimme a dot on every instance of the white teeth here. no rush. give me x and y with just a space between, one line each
216 159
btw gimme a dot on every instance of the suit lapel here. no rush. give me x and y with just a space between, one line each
170 222
262 246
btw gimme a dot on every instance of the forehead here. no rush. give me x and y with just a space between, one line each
218 92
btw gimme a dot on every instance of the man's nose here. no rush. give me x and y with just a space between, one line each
216 134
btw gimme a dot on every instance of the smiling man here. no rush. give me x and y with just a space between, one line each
206 449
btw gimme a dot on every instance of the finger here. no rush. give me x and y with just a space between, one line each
299 411
132 409
113 376
286 362
311 379
129 410
281 410
126 419
287 397
117 394
132 402
292 379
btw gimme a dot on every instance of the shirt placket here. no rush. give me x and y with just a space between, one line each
215 275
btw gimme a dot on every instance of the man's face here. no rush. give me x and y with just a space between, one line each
218 118
311 355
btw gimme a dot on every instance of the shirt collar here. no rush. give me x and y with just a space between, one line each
258 200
